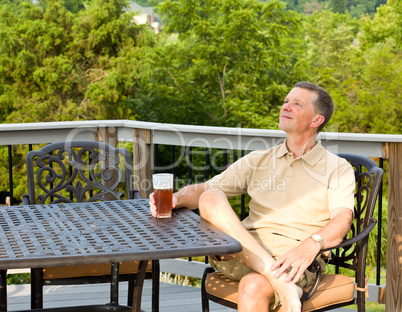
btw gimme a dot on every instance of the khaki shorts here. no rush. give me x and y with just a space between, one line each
235 270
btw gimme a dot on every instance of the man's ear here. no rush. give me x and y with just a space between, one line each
317 121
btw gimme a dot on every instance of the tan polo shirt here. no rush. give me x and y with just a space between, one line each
290 197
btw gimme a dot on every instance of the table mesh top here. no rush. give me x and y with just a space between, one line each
79 233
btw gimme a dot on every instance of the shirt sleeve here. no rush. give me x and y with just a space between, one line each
235 179
341 187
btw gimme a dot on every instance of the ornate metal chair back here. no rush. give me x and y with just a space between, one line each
78 171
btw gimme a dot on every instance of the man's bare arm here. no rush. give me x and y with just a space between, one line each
300 257
189 195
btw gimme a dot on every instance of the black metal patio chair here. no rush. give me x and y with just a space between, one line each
80 171
330 291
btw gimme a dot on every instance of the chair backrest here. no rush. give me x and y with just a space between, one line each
368 182
77 171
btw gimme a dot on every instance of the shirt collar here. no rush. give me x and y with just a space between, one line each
312 157
283 150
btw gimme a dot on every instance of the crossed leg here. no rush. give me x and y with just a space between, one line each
255 293
215 208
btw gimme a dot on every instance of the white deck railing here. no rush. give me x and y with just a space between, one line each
186 135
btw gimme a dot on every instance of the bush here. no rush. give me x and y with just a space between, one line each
21 278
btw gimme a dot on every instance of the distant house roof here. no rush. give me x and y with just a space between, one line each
134 7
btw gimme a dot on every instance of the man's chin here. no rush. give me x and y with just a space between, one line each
282 126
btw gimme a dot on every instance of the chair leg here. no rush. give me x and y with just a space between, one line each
37 288
114 284
155 285
138 286
204 298
3 290
130 292
361 301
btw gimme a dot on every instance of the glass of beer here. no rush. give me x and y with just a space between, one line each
163 193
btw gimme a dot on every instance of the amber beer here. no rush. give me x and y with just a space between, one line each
163 193
163 201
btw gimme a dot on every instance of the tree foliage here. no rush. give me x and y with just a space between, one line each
356 8
231 63
218 62
58 66
362 71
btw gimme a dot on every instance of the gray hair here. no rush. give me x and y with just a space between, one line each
323 104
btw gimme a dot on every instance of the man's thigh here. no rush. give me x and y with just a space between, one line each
232 268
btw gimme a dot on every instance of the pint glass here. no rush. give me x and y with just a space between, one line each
163 192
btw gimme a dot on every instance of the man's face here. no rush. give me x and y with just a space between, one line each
297 112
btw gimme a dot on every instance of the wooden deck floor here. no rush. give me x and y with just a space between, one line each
173 298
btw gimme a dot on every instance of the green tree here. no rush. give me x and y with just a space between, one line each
356 8
74 6
361 70
231 63
372 97
32 41
338 6
58 66
330 37
385 25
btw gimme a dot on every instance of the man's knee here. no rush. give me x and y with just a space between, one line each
255 293
255 285
209 202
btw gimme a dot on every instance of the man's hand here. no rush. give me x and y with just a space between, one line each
298 259
152 205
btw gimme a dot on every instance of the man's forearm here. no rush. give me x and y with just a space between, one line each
189 195
337 228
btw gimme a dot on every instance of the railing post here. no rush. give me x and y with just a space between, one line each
108 135
393 298
142 161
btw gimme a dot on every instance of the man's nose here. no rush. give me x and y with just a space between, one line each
286 107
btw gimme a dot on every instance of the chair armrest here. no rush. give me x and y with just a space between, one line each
25 199
315 267
347 242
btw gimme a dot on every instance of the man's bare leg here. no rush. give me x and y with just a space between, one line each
255 293
215 208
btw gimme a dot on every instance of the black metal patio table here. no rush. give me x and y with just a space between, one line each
35 236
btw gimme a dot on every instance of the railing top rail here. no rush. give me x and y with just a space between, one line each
192 129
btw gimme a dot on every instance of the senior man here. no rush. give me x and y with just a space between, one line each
301 201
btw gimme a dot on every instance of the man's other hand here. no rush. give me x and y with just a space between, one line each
297 260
